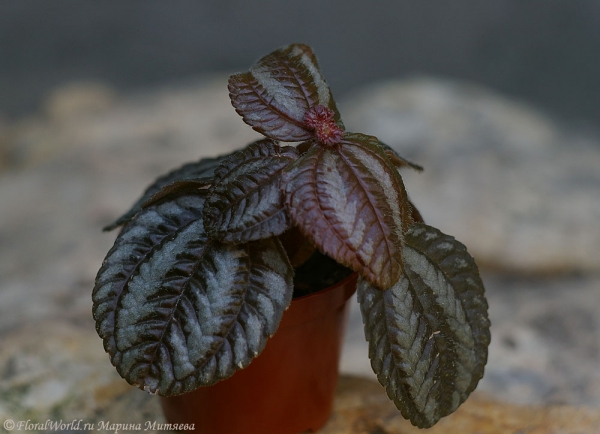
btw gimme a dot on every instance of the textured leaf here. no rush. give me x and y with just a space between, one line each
177 310
275 94
428 334
246 202
349 200
201 169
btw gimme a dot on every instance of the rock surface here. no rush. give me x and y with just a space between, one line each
60 372
362 407
545 341
498 176
520 192
57 369
77 170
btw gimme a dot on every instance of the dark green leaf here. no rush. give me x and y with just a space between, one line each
177 310
245 202
428 334
275 94
349 200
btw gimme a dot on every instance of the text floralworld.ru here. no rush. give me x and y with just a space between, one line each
81 425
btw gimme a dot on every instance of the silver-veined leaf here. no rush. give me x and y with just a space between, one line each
245 202
275 94
177 310
429 333
349 200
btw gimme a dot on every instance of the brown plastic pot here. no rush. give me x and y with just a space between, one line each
290 387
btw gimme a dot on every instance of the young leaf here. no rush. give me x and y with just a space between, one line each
428 334
350 202
177 310
246 202
201 169
274 96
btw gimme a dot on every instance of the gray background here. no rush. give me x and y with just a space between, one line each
543 51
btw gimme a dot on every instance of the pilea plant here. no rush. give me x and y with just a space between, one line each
198 279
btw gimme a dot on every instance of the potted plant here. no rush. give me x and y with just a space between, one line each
212 254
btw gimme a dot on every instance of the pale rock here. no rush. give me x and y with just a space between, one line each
545 341
45 395
520 192
78 99
189 120
56 369
498 177
83 172
362 407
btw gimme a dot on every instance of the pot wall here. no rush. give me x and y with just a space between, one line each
290 387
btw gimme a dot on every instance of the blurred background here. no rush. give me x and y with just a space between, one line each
499 100
543 51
